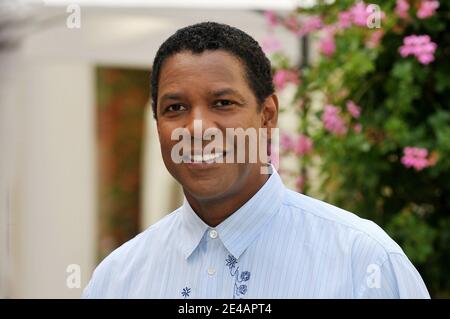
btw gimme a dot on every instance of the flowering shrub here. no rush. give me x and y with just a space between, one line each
374 119
419 46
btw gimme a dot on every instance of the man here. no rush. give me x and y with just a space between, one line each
240 233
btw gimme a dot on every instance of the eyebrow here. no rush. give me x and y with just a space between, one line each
171 96
226 91
217 93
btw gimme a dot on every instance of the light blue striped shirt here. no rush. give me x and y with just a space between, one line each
279 244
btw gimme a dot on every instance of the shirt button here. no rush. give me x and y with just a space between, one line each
213 234
211 271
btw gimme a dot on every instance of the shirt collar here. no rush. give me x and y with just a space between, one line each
243 226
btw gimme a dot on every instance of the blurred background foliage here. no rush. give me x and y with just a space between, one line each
121 100
374 119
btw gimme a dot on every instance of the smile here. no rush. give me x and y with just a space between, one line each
206 158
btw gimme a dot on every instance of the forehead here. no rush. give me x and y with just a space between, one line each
207 68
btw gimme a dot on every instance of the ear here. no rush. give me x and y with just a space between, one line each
269 117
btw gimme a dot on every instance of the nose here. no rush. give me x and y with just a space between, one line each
201 126
199 122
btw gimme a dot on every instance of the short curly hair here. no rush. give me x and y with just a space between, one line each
204 36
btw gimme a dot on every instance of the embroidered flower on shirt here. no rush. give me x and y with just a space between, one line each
231 262
186 292
239 277
245 275
242 289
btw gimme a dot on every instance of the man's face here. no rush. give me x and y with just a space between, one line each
210 87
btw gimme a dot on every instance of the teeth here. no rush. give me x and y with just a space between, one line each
196 158
211 157
206 157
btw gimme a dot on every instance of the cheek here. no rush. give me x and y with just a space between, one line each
165 133
165 141
243 120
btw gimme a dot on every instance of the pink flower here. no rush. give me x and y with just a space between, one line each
353 109
311 24
271 18
275 158
426 58
292 24
420 46
416 157
427 8
270 44
375 39
286 142
333 121
301 145
327 43
360 14
357 128
282 77
401 9
345 19
304 145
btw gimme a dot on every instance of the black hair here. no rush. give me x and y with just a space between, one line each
204 36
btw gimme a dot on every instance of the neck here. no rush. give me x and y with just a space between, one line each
213 211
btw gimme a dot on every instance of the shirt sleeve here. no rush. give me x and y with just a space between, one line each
86 292
97 287
395 278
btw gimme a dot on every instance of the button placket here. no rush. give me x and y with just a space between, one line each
211 271
213 234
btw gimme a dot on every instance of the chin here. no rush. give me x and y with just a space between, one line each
206 189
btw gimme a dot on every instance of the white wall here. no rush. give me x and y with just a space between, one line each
52 211
9 142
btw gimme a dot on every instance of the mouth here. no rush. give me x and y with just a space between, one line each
207 158
196 158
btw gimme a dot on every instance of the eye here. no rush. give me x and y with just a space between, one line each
175 108
223 103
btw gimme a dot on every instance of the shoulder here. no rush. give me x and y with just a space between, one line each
122 262
153 235
338 224
365 247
